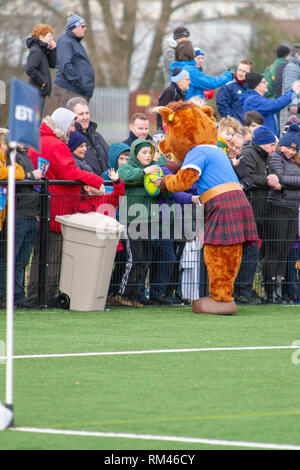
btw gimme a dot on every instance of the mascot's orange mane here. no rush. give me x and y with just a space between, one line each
188 125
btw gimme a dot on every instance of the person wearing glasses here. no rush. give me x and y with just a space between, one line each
74 71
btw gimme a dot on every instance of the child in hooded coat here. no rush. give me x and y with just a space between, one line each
140 212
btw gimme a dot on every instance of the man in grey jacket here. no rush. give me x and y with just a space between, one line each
180 34
291 74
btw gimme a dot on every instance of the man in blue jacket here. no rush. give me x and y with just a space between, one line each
74 71
228 97
253 100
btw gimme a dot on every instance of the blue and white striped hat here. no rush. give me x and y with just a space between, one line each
74 21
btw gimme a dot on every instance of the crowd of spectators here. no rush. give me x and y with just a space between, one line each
152 269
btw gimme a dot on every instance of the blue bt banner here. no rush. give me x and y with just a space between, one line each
24 114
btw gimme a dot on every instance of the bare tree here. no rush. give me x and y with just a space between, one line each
111 37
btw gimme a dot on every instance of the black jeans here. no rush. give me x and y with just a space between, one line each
281 229
26 230
55 254
244 281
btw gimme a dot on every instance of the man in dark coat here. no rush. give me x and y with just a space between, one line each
97 148
41 57
74 71
256 178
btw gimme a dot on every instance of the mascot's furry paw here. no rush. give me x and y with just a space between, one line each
182 181
209 305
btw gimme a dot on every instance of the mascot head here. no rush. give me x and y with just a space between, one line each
188 125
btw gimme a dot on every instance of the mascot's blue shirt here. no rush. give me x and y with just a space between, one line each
213 165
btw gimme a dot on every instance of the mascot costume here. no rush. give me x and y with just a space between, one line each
191 138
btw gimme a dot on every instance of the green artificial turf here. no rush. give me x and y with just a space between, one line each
238 395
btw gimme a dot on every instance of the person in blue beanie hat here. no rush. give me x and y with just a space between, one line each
77 143
74 71
199 57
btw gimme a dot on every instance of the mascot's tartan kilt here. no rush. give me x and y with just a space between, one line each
229 220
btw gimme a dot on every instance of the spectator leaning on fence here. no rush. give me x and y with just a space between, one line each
74 71
64 199
77 143
256 178
41 57
282 212
118 155
97 147
140 217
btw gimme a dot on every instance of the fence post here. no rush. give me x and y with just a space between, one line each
44 244
204 282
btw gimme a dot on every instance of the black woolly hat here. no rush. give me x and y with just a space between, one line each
253 79
181 32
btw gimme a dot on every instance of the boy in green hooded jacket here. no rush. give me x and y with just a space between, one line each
139 212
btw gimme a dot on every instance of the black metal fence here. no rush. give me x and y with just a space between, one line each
166 265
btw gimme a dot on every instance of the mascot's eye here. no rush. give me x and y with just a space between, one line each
171 116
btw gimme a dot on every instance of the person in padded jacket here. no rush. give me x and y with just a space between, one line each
140 212
74 71
282 212
41 57
185 59
228 101
65 199
256 176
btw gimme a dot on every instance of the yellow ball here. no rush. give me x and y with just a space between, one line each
149 186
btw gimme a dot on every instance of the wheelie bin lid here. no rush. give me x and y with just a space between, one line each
92 222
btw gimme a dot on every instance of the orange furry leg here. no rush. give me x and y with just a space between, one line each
223 264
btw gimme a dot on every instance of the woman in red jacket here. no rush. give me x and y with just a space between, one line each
64 199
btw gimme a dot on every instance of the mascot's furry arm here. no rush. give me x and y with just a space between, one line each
188 125
182 181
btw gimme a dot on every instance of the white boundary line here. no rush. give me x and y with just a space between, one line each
193 440
151 351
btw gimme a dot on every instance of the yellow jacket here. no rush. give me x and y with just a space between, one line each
20 175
